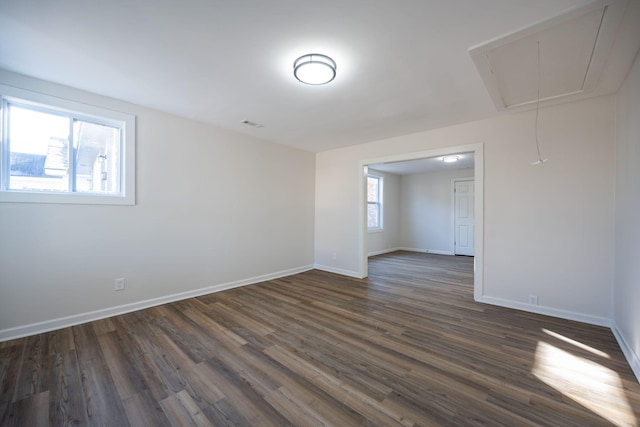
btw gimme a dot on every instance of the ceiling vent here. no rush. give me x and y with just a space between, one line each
252 124
573 51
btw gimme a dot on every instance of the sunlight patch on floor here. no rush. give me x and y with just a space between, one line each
576 343
582 380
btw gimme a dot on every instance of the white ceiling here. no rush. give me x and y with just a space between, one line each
403 65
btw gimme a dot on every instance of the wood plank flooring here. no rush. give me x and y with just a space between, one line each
406 347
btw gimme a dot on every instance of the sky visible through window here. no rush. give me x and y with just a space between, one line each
60 153
31 131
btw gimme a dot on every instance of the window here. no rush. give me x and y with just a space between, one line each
374 202
59 151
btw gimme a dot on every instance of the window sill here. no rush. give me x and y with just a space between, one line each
65 198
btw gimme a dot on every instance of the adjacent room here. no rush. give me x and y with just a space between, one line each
422 205
344 213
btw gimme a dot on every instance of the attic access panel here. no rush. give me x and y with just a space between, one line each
573 50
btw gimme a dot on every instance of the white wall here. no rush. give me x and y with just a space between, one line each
626 289
427 211
213 208
387 239
548 229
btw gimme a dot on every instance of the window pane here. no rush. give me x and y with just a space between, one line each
52 147
97 157
39 150
373 216
372 189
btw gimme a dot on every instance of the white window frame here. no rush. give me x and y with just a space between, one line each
379 204
126 122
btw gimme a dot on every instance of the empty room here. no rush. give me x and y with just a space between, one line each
389 213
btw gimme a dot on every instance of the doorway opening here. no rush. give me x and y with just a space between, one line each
473 239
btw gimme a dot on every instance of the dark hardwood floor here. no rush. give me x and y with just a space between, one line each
408 346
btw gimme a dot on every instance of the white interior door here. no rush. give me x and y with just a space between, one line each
463 218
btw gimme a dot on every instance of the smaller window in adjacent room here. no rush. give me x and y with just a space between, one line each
58 151
374 202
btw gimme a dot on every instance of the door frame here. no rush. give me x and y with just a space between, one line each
478 151
453 212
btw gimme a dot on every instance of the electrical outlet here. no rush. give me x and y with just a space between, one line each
334 255
118 284
533 299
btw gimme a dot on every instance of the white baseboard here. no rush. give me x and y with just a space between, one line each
426 251
437 252
629 354
338 271
547 311
63 322
384 251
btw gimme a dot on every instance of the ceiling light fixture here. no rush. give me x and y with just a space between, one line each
450 159
314 69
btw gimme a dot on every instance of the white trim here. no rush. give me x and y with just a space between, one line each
632 358
478 150
363 226
478 212
384 251
339 271
426 251
76 319
127 122
547 311
438 252
422 250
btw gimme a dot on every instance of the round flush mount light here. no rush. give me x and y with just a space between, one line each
450 159
314 69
